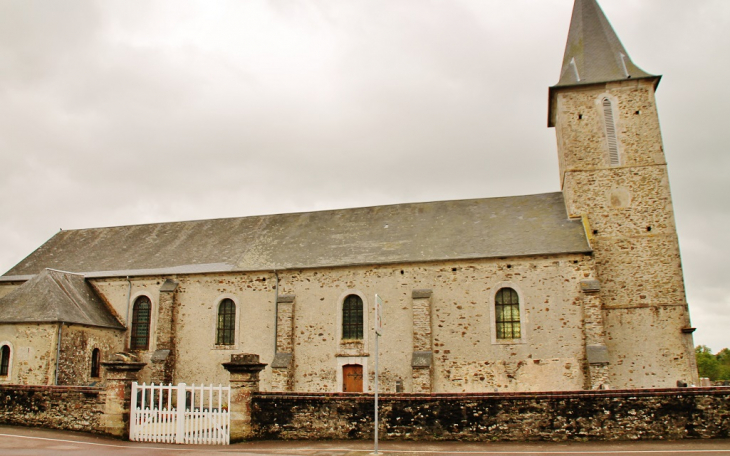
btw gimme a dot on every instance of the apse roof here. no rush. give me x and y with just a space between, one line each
53 297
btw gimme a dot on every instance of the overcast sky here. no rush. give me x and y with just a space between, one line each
126 112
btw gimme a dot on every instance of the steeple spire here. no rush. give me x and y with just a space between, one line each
593 53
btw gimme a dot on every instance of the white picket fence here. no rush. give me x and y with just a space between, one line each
180 414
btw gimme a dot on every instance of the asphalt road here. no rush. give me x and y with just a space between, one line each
16 441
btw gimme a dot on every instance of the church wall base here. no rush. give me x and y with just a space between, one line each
678 413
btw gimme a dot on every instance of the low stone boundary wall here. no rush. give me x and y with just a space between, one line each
683 413
76 408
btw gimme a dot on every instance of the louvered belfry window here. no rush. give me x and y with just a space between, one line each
352 317
611 132
141 324
507 308
226 327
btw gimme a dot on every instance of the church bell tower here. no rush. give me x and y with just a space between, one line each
613 175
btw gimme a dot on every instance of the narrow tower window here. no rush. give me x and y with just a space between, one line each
611 132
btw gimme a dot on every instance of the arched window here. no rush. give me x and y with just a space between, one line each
95 363
4 360
352 317
141 324
611 133
226 326
507 310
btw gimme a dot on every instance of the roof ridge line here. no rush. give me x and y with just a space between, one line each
66 272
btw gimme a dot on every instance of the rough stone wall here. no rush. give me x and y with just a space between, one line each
422 324
285 327
54 407
198 358
421 380
422 365
165 335
121 297
33 357
281 379
631 221
645 347
466 356
77 344
600 415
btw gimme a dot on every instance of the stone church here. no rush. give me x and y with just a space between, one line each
577 289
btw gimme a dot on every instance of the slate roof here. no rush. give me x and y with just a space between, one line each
402 233
593 52
53 297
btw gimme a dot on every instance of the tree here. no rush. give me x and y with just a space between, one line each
707 363
723 357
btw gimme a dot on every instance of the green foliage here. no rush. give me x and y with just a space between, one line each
724 356
715 367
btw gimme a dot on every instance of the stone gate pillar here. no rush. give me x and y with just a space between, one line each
244 369
119 373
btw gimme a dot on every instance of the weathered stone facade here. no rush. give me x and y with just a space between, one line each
454 321
602 415
593 275
77 346
34 348
55 407
628 210
671 414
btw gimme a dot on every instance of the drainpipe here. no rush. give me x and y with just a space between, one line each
276 314
58 352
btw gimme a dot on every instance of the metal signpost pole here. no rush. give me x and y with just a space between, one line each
377 337
378 333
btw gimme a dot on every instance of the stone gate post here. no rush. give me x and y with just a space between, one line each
244 369
119 373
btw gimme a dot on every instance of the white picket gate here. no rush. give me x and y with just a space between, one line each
180 414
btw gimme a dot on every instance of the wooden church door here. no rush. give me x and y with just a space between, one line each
352 378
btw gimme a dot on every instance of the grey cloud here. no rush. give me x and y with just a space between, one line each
133 112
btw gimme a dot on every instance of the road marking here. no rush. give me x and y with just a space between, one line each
538 452
96 444
228 449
